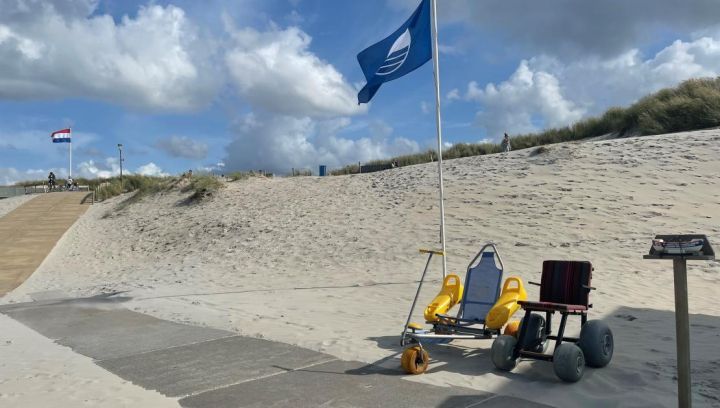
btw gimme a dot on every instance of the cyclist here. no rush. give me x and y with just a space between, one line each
51 181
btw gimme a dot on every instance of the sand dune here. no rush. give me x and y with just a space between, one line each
331 263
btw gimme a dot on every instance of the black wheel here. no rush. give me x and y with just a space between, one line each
569 362
535 336
502 352
596 342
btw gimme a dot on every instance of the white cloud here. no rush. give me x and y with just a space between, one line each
424 107
151 169
598 84
544 92
453 95
11 175
216 168
183 147
300 104
517 104
571 28
97 169
278 143
155 60
110 167
275 71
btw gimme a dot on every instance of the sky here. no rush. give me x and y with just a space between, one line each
236 85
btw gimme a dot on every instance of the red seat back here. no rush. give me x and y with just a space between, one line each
566 282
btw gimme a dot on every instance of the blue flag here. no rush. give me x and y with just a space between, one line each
402 52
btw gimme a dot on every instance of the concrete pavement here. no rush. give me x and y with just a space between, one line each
205 367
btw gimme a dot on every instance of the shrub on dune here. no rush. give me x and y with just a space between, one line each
202 186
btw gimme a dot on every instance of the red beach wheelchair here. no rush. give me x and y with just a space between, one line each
564 288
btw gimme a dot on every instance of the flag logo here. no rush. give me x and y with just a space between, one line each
397 55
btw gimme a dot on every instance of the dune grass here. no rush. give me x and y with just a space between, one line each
239 175
692 105
81 181
244 175
202 186
301 173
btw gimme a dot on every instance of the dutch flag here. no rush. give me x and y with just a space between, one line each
61 136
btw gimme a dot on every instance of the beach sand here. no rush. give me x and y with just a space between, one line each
331 263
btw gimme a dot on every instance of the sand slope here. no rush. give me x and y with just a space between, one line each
331 263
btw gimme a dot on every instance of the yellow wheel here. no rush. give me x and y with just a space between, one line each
414 360
511 329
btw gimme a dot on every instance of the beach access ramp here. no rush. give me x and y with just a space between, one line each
30 232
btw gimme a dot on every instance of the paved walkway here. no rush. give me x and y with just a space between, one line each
29 233
205 367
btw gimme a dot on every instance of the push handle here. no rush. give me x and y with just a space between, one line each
432 251
451 277
509 280
494 249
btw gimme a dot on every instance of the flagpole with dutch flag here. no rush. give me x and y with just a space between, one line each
408 48
64 136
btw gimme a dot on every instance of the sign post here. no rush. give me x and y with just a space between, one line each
682 316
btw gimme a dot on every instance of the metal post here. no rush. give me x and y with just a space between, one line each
70 168
436 71
682 331
417 294
121 162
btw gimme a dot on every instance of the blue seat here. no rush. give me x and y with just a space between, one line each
482 290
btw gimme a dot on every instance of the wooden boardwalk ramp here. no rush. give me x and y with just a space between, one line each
30 232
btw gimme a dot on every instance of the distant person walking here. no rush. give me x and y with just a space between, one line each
505 145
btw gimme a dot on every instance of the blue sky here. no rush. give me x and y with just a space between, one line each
271 84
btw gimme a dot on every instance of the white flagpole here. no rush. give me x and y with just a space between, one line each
70 148
436 71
